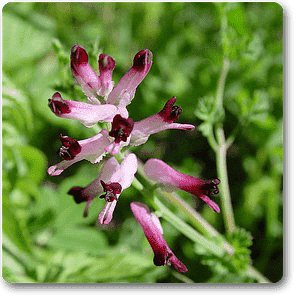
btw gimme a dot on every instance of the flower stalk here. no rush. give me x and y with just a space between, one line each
220 146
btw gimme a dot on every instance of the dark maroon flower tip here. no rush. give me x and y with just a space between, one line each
160 257
78 56
78 193
111 190
121 128
170 113
142 59
166 257
209 187
70 147
106 63
58 105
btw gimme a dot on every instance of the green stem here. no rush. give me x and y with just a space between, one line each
221 152
224 186
221 83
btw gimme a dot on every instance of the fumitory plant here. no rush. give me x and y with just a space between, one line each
96 187
107 103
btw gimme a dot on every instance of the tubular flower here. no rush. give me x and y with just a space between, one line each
154 234
158 122
84 74
124 91
72 151
88 114
160 172
112 180
106 66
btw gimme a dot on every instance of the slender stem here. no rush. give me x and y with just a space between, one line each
221 152
224 186
221 83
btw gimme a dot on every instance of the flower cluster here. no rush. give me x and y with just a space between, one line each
108 103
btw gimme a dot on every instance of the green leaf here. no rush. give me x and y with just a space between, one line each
36 162
207 111
12 277
16 107
114 265
13 228
260 106
81 239
232 265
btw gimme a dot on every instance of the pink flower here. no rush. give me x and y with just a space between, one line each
160 172
158 122
112 180
124 91
72 151
88 114
154 234
106 66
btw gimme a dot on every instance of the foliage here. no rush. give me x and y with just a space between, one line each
45 237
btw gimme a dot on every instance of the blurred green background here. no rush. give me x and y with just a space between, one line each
45 237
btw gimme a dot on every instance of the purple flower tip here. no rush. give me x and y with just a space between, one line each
121 128
106 63
58 105
78 56
170 113
142 60
78 193
210 186
70 147
111 190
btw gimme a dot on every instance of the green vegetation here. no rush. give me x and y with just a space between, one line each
224 64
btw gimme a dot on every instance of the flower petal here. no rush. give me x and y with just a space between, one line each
107 213
106 66
127 170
